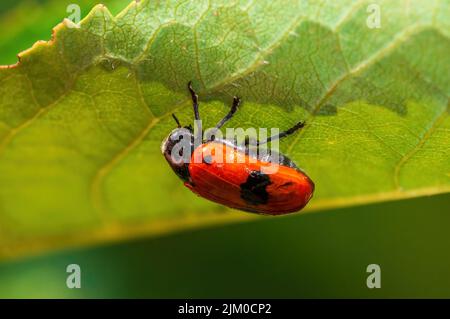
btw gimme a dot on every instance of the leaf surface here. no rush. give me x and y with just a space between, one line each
26 21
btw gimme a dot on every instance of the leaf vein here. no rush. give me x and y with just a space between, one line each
417 147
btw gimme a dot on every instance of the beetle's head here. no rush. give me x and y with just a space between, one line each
177 149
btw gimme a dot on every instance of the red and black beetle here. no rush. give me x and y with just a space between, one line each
241 184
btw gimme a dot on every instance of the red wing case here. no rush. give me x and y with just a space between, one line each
243 182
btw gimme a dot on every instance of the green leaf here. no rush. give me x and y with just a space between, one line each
82 116
28 20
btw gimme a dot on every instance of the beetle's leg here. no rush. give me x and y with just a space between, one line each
288 132
196 113
194 100
234 107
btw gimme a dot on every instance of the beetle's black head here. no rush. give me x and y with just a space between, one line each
177 148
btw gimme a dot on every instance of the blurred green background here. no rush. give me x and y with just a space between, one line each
312 255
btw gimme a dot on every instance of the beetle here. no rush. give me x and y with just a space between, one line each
243 184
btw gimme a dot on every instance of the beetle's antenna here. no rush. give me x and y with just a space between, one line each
176 120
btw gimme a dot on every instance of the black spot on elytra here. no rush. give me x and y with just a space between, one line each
253 191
